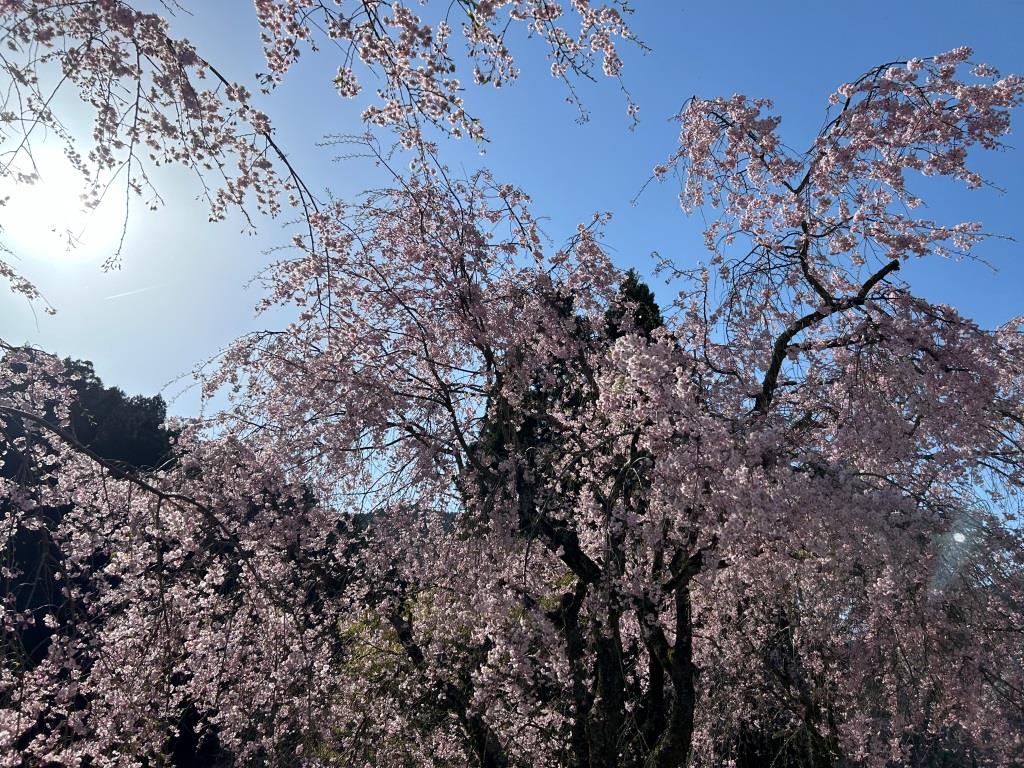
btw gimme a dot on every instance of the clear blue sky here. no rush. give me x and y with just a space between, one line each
180 295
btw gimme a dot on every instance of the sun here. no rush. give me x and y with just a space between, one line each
48 220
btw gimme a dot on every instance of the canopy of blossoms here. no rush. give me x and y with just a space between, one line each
480 502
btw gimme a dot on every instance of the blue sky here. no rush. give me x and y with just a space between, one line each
180 295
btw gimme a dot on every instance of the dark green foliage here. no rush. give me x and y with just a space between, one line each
635 309
125 429
567 383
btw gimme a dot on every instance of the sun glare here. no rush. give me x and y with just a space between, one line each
48 220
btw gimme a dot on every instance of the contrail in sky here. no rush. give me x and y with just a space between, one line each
130 293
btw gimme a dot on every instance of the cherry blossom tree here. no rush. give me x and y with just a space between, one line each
482 502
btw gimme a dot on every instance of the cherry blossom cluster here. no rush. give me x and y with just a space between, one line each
421 84
156 101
